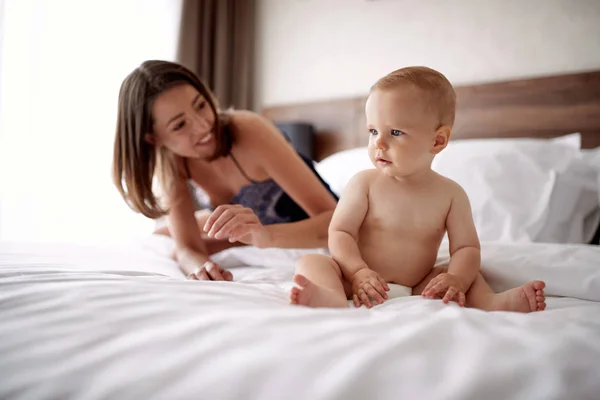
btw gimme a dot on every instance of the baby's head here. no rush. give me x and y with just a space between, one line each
410 114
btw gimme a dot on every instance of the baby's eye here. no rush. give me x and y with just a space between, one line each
397 132
373 131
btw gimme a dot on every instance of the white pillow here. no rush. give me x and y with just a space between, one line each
574 209
573 212
338 168
509 181
591 158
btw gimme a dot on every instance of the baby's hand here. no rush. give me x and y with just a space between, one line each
447 287
366 285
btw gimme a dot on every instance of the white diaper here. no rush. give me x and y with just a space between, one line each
398 291
394 292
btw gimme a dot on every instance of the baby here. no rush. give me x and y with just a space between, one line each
390 221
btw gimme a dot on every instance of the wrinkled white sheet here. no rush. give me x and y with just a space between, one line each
123 323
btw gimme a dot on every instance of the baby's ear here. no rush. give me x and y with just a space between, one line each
442 136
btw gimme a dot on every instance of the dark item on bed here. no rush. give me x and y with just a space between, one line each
596 238
300 135
543 107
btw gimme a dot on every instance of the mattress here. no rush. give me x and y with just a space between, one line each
93 322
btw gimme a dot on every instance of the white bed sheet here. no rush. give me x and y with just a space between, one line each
106 323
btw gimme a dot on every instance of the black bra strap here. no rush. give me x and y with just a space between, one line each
239 167
187 169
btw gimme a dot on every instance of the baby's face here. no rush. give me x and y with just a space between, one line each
401 131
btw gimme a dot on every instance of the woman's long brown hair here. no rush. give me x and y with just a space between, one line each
135 161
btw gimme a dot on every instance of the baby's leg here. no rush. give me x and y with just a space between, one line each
527 298
321 283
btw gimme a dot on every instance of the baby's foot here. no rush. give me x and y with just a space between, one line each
526 298
312 295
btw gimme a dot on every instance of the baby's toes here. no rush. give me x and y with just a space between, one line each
294 295
538 285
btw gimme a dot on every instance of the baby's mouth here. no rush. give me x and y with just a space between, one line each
381 160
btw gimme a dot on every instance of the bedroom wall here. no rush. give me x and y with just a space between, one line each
320 49
61 67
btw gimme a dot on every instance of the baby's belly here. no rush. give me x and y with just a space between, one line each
402 261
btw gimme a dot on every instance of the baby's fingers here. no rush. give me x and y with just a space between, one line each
427 291
356 301
383 284
380 290
375 294
449 295
364 298
461 299
437 289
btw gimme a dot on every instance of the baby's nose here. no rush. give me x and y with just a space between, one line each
380 142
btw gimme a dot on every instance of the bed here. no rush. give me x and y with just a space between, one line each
122 322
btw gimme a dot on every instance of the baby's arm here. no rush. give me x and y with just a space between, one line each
345 223
343 235
465 257
465 254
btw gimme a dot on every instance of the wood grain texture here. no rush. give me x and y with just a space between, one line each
539 108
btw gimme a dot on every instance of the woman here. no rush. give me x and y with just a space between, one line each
258 190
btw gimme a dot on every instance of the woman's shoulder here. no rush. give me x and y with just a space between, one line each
250 126
246 118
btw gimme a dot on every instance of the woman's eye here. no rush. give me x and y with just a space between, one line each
373 131
396 132
201 106
179 125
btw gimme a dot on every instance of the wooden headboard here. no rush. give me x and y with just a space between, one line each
541 107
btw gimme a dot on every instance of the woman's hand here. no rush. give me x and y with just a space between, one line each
237 224
209 271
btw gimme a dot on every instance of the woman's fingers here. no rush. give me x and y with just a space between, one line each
228 276
213 271
202 275
210 271
234 222
221 215
240 231
192 276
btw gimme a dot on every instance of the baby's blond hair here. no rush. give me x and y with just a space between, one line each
436 87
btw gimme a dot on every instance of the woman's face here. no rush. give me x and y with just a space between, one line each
184 123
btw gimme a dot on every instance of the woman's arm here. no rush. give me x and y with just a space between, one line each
281 162
190 251
308 233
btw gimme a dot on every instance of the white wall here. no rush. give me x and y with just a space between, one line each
61 65
318 49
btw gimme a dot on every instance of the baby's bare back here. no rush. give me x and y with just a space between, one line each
403 228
